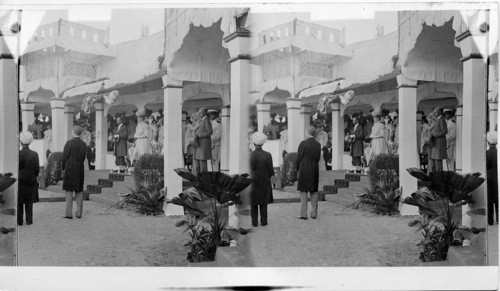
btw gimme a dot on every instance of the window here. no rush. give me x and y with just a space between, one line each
271 36
51 32
307 31
330 39
71 31
320 34
84 34
286 31
264 39
96 37
278 34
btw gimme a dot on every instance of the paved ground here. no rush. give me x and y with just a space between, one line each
100 238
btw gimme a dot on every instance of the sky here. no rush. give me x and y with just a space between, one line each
125 24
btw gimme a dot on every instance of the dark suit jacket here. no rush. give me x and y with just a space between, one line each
29 168
90 154
492 174
357 148
121 143
74 154
327 154
261 170
308 157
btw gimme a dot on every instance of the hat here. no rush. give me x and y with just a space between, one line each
492 137
26 137
448 111
141 113
393 114
259 138
212 111
377 112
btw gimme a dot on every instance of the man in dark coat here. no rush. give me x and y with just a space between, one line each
91 155
327 156
29 168
261 171
357 138
203 143
72 164
308 156
492 176
437 135
121 137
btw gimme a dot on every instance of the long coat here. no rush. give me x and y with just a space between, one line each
308 157
203 144
492 174
261 171
357 149
438 132
72 163
29 168
121 142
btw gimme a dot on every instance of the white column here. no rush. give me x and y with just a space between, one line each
408 156
184 124
172 142
294 124
493 114
224 138
59 124
69 112
419 131
472 45
305 116
101 136
337 137
458 139
263 115
9 138
238 44
27 114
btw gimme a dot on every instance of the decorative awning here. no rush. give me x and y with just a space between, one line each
327 88
178 23
90 88
303 43
70 44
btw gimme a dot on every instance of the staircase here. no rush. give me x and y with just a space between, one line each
346 187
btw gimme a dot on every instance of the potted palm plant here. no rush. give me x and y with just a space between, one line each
204 205
440 203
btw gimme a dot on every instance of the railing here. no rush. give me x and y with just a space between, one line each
276 69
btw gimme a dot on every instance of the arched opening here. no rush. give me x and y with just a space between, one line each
276 96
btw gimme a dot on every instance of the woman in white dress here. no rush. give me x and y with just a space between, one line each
378 142
142 132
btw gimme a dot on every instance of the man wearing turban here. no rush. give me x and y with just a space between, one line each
261 171
29 168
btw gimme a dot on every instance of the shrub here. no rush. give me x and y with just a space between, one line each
438 202
54 168
150 200
289 170
384 171
148 172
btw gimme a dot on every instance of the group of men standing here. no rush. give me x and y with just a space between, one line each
207 134
441 141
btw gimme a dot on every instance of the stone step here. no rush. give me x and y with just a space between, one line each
330 189
117 177
94 189
105 183
341 183
353 177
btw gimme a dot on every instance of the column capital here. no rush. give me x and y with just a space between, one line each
27 106
238 44
71 109
472 44
305 109
293 103
99 106
404 82
335 106
169 82
263 106
57 103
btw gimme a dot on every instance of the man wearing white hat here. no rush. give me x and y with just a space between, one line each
29 168
492 176
261 171
450 138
